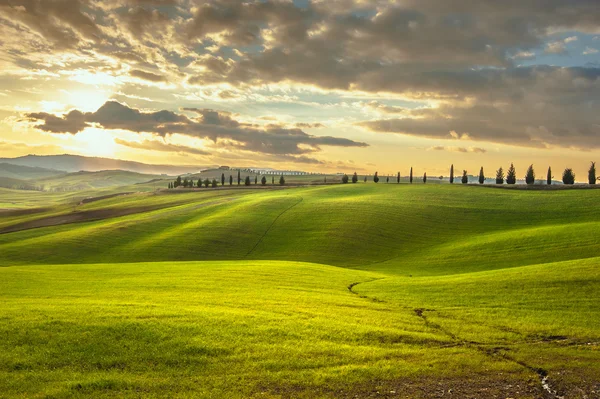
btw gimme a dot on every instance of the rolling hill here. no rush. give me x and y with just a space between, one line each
330 291
76 163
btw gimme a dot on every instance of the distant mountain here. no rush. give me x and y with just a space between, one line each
76 163
27 172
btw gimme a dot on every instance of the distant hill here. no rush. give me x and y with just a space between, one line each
17 184
90 180
76 163
27 172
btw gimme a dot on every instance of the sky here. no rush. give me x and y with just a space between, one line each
321 85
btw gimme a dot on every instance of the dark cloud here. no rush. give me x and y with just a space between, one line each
219 127
152 77
73 122
140 20
62 22
534 107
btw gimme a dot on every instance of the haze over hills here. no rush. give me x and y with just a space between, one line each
27 172
75 163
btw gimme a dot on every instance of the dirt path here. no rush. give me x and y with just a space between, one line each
546 391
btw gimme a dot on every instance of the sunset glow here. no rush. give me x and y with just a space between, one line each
314 85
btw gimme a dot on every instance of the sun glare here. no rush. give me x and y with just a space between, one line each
96 142
88 100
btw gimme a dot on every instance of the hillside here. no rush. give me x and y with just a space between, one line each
91 180
26 172
76 163
327 291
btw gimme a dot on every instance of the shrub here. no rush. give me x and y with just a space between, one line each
206 183
214 183
465 178
345 179
568 176
354 178
247 181
376 178
263 181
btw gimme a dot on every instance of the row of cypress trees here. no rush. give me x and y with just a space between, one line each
510 177
208 183
568 176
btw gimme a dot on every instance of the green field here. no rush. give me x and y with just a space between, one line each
365 290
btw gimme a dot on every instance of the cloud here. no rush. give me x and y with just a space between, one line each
154 145
536 107
524 55
147 76
590 50
477 150
449 54
556 48
220 127
63 23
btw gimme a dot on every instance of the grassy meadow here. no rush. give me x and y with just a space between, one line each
365 290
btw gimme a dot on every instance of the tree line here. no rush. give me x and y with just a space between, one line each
185 183
568 176
510 177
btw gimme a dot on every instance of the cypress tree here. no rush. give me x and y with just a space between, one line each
354 178
214 183
425 177
500 176
411 175
263 181
222 179
530 175
376 178
465 178
398 178
255 179
178 181
247 181
199 183
481 176
273 180
239 178
452 174
206 183
365 178
345 179
568 176
185 182
511 175
387 179
281 181
592 173
549 176
230 180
